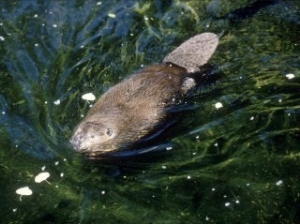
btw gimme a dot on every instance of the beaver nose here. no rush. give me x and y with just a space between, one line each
76 141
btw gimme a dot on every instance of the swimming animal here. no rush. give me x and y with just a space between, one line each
131 110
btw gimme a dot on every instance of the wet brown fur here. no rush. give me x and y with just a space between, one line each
133 107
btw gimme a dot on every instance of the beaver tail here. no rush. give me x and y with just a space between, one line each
194 52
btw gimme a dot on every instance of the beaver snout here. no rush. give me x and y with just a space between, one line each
76 141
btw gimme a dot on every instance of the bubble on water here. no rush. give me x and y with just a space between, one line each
2 38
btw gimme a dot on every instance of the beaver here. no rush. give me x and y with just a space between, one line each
129 111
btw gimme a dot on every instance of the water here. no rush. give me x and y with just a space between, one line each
235 164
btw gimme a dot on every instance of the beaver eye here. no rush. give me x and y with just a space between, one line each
109 132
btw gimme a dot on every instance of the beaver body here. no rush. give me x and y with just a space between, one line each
130 110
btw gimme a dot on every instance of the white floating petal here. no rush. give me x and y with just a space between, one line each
41 177
24 191
88 96
290 76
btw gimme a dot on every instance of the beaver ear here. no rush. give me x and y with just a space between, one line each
194 52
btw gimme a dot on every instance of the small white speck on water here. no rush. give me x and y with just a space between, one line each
14 209
146 18
237 201
206 218
46 102
36 16
54 25
218 105
164 167
169 148
280 182
57 102
111 15
61 175
227 204
213 189
99 3
3 112
189 177
197 137
216 144
56 163
251 118
290 76
102 192
36 45
43 168
2 38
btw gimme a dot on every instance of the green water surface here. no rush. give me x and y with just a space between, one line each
236 164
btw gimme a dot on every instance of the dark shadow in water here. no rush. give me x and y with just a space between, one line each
248 11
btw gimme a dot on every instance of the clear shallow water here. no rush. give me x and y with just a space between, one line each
238 164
